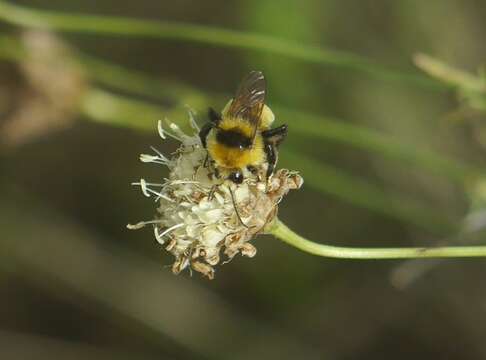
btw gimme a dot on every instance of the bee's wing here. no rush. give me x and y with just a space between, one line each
249 100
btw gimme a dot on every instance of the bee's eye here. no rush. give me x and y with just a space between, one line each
236 177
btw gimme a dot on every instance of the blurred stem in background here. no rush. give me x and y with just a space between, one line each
111 25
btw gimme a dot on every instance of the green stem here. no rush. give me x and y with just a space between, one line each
112 25
282 232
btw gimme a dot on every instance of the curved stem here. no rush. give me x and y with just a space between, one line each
18 15
281 231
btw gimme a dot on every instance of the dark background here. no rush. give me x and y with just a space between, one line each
76 284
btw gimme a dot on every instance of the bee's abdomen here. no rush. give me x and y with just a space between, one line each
233 139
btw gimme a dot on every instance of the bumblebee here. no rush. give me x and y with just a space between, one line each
240 139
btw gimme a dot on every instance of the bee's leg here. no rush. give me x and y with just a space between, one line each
214 116
203 133
272 157
206 160
276 135
273 138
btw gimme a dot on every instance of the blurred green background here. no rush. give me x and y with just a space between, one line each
391 157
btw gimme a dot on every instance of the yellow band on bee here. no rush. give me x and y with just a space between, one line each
240 125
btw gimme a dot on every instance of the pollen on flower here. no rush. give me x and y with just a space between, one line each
201 218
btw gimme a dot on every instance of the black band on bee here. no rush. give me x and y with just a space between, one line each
233 138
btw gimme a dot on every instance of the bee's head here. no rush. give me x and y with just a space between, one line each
236 177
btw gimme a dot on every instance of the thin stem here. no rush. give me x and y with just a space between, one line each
112 25
282 232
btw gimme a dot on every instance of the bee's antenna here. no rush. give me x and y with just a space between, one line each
236 208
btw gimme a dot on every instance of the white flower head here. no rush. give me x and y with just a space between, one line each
201 218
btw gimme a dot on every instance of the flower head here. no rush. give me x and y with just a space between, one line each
201 218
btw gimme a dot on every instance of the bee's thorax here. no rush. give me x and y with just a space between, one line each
233 138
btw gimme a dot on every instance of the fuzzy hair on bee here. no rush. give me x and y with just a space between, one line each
240 140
